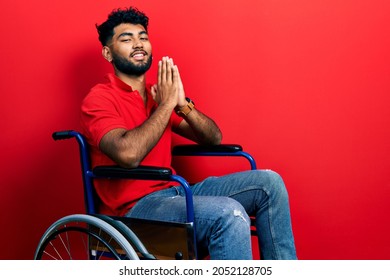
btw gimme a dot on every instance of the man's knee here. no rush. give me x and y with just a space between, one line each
277 187
233 213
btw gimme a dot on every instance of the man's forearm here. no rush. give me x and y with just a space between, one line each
204 129
129 147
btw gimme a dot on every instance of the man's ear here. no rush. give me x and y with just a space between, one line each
106 52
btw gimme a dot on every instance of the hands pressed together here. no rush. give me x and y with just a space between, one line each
169 89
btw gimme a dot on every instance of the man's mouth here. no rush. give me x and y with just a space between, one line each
138 55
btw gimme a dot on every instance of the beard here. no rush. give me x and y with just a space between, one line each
129 68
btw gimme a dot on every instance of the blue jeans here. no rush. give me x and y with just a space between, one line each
222 207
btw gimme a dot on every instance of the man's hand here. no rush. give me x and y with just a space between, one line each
169 87
182 96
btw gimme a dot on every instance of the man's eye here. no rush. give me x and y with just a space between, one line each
144 38
125 40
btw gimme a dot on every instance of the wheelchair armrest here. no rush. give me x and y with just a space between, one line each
194 149
148 173
140 173
216 150
62 135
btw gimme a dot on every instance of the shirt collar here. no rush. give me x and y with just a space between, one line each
114 80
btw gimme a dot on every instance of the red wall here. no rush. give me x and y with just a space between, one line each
303 85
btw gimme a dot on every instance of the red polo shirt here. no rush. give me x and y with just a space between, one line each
112 105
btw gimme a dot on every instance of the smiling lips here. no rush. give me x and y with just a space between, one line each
138 55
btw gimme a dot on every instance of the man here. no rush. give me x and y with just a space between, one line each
128 122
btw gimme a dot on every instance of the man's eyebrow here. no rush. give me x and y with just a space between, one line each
131 34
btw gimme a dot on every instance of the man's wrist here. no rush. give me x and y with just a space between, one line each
186 109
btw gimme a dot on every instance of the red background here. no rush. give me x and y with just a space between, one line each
303 85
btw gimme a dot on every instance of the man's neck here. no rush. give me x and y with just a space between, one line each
136 82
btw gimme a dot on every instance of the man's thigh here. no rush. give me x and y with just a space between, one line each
167 205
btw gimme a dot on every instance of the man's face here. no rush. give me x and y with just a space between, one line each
131 49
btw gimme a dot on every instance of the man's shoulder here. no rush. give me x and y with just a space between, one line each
98 95
101 89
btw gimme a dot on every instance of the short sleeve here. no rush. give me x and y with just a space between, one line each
98 116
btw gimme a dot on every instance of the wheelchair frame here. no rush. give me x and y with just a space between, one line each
116 237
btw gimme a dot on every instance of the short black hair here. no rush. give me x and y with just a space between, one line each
116 17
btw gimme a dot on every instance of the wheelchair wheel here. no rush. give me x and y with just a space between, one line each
83 237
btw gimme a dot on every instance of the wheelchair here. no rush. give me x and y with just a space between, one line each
92 236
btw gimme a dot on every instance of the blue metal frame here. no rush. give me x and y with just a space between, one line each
189 200
87 174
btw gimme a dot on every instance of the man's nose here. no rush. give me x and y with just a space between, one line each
137 43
